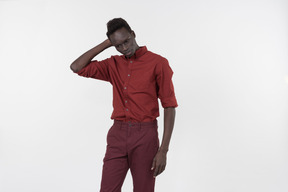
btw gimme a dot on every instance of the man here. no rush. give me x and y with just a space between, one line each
139 77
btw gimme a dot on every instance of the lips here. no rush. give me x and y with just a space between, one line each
128 53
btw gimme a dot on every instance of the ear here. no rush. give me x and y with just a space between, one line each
133 33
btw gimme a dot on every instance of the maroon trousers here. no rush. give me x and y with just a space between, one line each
130 146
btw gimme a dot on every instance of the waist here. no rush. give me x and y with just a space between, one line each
131 123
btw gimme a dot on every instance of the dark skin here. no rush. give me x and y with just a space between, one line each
124 41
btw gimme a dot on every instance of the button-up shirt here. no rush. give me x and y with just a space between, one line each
137 82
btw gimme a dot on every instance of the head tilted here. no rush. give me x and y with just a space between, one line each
115 24
122 37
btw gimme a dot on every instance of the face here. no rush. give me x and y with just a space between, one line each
124 42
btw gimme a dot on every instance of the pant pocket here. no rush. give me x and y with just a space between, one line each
109 134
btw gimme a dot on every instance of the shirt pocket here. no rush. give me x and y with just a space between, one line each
142 83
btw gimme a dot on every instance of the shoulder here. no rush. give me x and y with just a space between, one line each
113 59
158 59
156 55
161 61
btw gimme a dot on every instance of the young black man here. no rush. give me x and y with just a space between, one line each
139 77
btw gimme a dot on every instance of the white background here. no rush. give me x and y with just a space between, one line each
230 63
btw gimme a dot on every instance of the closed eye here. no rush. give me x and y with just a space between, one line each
124 43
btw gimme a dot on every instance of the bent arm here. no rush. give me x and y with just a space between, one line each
86 57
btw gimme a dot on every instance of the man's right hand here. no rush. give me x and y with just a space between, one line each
108 43
86 58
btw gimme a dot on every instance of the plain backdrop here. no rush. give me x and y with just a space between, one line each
230 63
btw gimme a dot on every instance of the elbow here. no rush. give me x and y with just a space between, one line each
73 68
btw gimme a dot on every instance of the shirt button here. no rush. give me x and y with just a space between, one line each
128 75
131 61
125 87
126 109
125 101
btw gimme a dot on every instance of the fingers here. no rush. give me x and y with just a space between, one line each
153 164
159 164
156 171
159 169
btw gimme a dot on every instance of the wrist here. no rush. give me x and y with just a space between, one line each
163 150
107 43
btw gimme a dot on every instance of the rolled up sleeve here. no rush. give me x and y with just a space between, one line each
97 70
165 86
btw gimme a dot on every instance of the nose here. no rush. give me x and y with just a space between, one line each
124 47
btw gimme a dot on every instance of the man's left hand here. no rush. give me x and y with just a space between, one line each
159 163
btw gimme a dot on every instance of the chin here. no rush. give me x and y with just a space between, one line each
130 55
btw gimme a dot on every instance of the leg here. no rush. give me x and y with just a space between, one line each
115 161
113 174
141 158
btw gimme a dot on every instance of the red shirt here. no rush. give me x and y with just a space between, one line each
137 82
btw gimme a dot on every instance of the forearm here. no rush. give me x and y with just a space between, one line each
86 58
169 118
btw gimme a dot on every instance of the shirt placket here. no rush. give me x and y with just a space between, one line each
126 87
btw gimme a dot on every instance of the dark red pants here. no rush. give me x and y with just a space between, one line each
130 146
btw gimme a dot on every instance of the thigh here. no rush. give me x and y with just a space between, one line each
115 165
141 157
113 174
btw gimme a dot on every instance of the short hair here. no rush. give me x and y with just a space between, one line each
115 24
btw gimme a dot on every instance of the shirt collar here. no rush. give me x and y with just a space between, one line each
138 53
